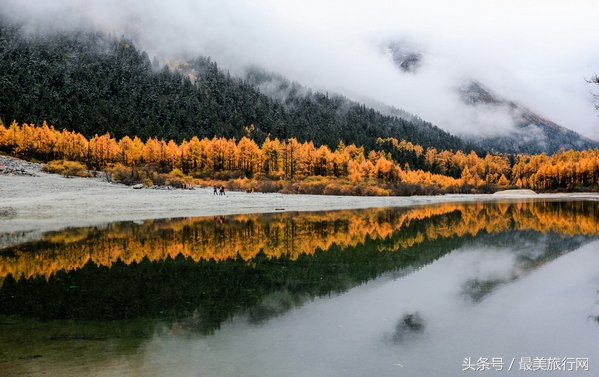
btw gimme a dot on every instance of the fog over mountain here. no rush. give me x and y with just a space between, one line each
520 130
535 53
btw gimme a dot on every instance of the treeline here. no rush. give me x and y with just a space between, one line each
130 160
94 84
562 170
245 163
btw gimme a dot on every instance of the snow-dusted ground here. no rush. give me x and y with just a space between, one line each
45 202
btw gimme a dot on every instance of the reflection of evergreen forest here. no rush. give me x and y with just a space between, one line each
211 271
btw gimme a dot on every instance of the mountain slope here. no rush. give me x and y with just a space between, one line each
93 84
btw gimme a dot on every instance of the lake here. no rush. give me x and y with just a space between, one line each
502 288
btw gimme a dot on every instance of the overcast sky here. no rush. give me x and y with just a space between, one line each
538 52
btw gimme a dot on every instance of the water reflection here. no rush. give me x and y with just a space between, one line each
286 235
158 287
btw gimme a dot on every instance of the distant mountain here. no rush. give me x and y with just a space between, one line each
531 134
405 56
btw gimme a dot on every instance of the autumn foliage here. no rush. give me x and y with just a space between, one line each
294 167
67 168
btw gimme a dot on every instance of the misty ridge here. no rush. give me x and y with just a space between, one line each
281 89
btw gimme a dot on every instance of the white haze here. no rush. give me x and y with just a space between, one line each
532 51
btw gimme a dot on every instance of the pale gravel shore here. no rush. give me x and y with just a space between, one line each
51 202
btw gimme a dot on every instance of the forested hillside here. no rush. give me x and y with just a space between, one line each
93 84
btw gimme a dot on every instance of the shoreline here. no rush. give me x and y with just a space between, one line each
48 202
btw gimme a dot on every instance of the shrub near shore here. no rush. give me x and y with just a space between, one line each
67 168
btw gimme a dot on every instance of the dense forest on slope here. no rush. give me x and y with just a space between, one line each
299 100
93 84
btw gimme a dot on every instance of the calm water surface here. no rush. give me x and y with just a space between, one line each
444 290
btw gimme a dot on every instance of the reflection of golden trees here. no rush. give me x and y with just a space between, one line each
288 235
